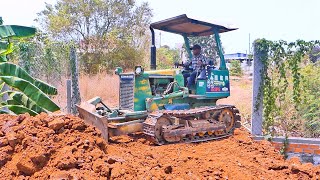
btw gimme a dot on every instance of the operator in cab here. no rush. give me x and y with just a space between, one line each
198 64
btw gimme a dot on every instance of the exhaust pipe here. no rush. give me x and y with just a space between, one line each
153 65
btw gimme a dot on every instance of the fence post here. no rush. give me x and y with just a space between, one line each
75 98
68 82
257 102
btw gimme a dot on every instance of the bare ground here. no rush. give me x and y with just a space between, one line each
63 147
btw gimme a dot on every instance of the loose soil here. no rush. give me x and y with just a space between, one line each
63 147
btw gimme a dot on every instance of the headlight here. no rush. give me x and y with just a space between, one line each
138 70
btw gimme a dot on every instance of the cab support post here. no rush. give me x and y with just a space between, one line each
217 38
187 43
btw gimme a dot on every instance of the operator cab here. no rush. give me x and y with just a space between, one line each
214 81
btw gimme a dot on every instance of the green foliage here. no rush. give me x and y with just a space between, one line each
31 97
108 33
30 90
16 32
284 148
208 46
9 69
281 77
43 58
17 109
235 69
309 109
19 98
315 54
166 57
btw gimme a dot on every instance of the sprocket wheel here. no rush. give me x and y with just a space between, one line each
227 117
162 121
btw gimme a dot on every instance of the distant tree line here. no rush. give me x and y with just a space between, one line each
107 34
166 57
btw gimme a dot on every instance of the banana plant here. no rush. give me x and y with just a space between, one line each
25 93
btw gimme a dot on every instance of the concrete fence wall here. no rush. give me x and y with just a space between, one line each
307 149
296 144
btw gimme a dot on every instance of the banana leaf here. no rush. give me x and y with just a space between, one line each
8 50
17 109
32 92
1 85
3 58
18 98
3 46
9 69
44 87
16 32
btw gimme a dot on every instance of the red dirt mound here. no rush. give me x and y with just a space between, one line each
47 147
63 147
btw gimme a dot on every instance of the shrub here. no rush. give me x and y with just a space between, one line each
309 109
235 69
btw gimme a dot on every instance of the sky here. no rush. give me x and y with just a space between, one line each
271 19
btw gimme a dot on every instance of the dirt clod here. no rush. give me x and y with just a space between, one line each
26 166
278 167
3 141
112 160
56 124
12 138
168 169
5 155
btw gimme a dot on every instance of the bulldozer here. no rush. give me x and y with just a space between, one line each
157 102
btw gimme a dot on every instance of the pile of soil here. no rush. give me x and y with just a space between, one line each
63 147
51 147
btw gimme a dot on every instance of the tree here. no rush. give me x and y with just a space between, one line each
208 46
235 69
43 58
309 109
314 55
99 27
166 57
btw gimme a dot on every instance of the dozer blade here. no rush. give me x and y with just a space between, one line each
86 112
117 129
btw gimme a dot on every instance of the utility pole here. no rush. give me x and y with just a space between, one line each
249 45
160 39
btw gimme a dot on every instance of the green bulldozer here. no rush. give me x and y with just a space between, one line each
157 103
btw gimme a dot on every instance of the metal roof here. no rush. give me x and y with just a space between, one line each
189 27
236 56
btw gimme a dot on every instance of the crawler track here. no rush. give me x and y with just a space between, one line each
194 125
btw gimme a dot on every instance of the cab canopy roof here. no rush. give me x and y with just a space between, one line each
189 27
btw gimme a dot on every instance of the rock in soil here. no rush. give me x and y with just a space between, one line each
56 124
